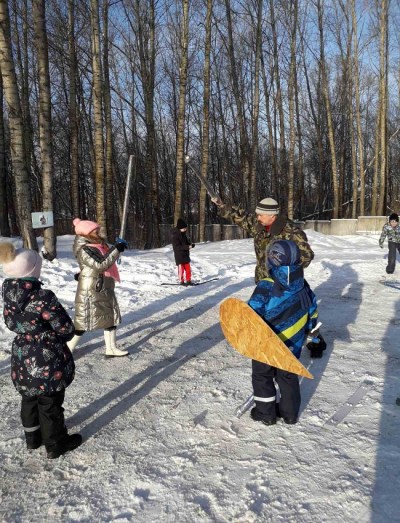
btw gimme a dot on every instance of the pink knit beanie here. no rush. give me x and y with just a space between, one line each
19 263
84 227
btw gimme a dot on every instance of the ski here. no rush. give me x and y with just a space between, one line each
349 405
393 284
194 283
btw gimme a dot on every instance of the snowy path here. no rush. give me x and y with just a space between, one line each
161 439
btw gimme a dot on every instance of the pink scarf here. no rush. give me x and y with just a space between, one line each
111 272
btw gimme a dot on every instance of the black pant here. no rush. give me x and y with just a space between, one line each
47 414
392 256
263 376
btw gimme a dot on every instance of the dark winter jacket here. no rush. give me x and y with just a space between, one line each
181 245
286 314
281 229
96 306
41 362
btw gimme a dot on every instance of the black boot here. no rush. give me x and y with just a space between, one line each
69 442
257 416
33 439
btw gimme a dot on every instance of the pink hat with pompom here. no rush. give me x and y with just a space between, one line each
84 227
19 263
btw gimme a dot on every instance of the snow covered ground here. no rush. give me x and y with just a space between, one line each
162 442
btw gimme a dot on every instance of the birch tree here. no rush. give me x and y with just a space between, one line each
180 139
98 116
4 224
16 129
45 127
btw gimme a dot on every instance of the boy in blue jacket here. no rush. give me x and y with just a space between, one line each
288 305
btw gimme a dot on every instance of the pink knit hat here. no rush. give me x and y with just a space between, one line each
19 263
84 227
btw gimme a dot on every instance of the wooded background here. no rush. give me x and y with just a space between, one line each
294 99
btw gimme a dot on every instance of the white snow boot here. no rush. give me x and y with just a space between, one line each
112 350
71 344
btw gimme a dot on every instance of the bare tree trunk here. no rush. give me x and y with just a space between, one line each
271 140
300 170
356 77
292 127
145 29
375 181
325 88
253 197
22 52
73 113
180 139
244 140
383 59
98 117
45 131
16 126
320 149
279 103
206 122
109 162
379 180
4 225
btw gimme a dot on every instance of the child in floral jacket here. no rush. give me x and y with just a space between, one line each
42 366
392 231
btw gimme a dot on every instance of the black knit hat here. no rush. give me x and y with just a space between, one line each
394 216
181 224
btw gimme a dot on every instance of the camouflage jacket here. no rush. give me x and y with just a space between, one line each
393 235
281 229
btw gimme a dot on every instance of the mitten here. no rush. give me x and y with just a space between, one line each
381 245
193 245
120 246
316 346
76 276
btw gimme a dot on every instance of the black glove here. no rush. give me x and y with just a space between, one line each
121 246
316 346
193 245
76 276
381 245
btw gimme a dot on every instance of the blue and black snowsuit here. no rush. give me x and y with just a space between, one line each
292 314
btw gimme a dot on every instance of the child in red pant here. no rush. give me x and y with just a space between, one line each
182 245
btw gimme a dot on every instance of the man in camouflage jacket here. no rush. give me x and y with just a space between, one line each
266 226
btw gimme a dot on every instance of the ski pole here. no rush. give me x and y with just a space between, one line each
244 407
126 204
207 185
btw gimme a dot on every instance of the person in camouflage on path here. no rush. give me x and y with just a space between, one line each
266 226
392 231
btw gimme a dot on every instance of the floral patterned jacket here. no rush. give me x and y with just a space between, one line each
41 362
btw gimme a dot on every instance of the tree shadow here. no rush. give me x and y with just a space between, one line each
140 385
148 311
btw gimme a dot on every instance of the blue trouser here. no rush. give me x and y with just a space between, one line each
263 377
